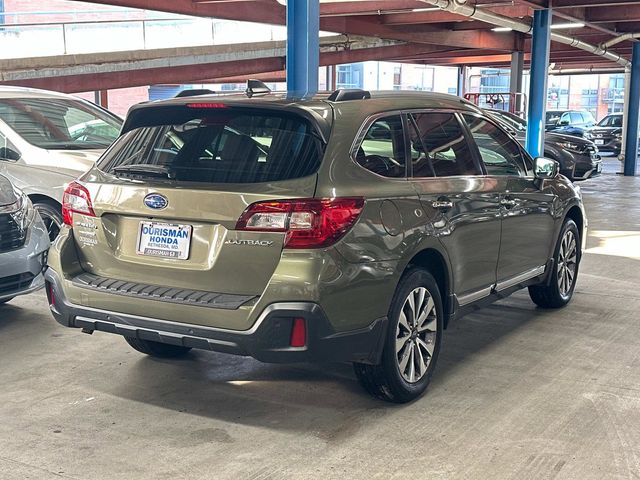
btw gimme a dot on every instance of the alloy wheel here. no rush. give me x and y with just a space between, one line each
567 263
416 335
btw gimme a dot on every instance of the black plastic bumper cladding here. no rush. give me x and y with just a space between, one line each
267 341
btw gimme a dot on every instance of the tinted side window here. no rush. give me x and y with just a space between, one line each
443 148
382 149
500 154
576 118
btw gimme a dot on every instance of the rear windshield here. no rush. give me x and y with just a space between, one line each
219 146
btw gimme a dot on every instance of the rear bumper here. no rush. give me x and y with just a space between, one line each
268 340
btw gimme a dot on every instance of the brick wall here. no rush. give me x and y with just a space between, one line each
121 99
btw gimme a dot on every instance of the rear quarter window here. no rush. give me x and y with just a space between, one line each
222 145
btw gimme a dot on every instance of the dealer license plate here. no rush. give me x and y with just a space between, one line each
164 240
599 141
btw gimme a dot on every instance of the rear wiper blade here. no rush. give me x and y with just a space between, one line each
145 170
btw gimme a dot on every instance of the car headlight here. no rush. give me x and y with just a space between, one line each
574 147
24 212
588 135
618 136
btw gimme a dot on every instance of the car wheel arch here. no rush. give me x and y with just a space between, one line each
39 198
575 214
436 262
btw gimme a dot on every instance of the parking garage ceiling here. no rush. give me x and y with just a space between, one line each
468 41
414 31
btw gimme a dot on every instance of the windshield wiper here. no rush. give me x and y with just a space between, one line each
143 170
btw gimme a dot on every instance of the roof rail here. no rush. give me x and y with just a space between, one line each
192 92
256 88
343 94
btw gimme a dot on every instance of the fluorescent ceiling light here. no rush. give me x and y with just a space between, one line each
428 9
566 26
502 29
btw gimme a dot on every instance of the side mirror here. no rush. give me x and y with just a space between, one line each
9 154
545 168
563 123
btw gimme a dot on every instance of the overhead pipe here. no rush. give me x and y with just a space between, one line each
620 38
464 8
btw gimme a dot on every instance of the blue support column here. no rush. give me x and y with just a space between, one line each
303 46
633 120
540 46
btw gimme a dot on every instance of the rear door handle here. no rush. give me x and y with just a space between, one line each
442 203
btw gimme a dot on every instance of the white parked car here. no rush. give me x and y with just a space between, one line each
47 139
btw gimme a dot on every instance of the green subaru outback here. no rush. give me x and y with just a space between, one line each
353 227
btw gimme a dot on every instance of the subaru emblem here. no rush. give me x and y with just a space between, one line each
156 201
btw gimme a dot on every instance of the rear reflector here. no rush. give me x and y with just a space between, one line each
298 333
308 222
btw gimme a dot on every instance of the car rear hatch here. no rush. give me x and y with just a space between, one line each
162 206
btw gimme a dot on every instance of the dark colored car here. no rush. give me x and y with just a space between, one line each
607 134
569 122
578 157
353 227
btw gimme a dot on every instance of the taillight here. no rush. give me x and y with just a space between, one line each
76 198
308 223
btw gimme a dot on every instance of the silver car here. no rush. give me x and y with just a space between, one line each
24 242
48 139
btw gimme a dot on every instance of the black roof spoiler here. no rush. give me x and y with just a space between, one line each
344 94
194 92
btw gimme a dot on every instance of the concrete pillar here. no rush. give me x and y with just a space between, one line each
515 82
633 120
303 46
540 47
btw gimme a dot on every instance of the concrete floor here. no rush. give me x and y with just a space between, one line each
519 393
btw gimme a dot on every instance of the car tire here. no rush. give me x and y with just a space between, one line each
558 290
51 214
406 367
157 349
